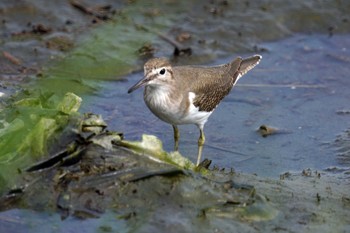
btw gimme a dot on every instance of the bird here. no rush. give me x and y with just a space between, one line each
189 94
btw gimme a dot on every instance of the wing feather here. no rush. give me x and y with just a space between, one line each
212 84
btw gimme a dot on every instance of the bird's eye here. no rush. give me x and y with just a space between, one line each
162 71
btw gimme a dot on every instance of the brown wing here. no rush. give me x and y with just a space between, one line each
216 86
210 96
210 93
212 84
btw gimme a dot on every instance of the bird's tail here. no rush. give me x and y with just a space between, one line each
249 63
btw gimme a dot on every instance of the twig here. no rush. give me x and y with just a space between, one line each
93 11
178 48
81 7
11 58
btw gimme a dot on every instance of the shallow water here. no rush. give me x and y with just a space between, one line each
35 221
298 87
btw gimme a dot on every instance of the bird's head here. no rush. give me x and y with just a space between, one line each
157 71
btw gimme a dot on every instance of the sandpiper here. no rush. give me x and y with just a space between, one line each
189 94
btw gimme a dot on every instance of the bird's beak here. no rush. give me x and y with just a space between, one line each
139 84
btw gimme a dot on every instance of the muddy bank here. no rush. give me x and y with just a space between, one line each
98 180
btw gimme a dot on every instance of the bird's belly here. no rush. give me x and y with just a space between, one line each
175 117
173 113
194 116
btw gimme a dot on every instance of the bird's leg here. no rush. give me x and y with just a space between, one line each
201 141
176 137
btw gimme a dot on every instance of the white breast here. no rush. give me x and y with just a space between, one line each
158 100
